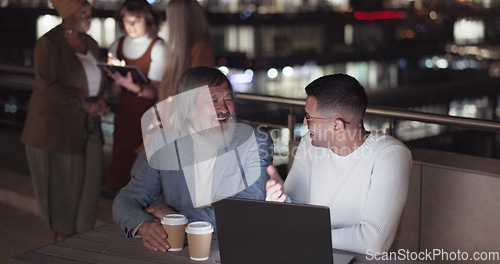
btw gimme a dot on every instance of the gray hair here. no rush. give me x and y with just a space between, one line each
192 82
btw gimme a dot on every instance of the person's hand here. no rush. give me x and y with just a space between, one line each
95 106
274 186
112 60
124 81
153 236
102 106
158 211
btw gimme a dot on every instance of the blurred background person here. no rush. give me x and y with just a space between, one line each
141 47
188 43
62 130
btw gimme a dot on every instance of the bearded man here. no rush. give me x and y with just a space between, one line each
196 154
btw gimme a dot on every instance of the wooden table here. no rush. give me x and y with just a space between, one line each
108 244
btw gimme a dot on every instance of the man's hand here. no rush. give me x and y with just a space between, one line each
158 211
274 186
153 236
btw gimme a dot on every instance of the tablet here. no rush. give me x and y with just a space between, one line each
137 75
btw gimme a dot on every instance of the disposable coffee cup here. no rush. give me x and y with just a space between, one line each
174 225
199 240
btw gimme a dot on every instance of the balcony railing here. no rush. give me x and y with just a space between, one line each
391 114
24 83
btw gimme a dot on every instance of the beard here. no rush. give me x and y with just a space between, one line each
212 133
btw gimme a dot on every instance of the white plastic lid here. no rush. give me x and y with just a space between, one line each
199 228
174 219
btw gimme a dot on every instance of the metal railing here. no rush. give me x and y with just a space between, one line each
391 114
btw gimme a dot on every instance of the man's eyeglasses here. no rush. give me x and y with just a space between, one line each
309 119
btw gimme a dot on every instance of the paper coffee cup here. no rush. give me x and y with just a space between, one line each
199 240
174 225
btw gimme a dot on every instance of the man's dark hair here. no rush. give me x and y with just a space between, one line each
338 92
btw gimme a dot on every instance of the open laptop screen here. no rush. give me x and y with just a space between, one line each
251 231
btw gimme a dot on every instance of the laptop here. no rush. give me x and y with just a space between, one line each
253 231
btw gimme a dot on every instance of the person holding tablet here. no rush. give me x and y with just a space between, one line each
141 47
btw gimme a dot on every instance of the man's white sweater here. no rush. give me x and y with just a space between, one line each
366 191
